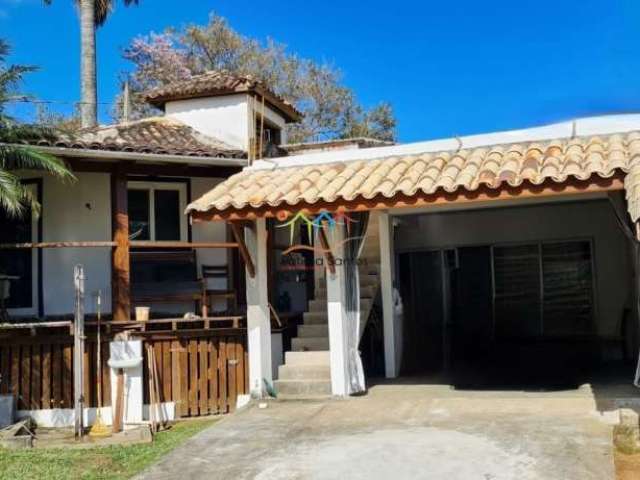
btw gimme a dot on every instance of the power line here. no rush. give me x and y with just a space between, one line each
55 102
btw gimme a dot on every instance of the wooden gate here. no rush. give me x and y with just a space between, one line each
202 371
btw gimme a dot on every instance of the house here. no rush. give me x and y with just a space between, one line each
123 219
504 260
488 260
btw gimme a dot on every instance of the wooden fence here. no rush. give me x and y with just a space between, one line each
202 371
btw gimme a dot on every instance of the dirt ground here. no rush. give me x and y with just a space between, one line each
627 466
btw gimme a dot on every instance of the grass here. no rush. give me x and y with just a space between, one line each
113 462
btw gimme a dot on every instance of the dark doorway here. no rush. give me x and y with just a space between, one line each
422 291
17 263
471 307
505 316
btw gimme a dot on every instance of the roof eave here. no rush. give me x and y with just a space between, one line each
486 194
136 156
291 114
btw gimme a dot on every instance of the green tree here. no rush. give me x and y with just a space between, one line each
93 14
15 155
330 109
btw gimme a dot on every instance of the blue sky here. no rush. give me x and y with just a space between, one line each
448 68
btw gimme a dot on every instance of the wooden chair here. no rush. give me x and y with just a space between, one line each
229 295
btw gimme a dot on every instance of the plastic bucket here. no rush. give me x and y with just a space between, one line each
142 314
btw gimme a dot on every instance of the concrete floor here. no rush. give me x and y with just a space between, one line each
405 432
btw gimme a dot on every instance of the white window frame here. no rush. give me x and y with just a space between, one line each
151 187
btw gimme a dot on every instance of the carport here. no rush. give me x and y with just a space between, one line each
537 294
577 186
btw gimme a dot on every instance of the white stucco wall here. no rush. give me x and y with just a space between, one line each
81 211
588 219
209 232
225 118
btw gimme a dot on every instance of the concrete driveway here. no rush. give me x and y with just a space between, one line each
403 432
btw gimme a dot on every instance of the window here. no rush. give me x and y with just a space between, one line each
543 289
517 291
21 265
156 211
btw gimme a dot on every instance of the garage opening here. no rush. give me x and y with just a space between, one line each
520 309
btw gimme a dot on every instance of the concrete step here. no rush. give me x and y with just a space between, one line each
370 268
369 291
311 344
320 330
318 305
304 372
306 358
315 318
367 280
301 389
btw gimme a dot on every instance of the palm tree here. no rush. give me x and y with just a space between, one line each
93 14
15 154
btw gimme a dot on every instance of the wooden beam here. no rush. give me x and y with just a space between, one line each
242 248
135 243
326 248
171 245
17 246
121 275
547 189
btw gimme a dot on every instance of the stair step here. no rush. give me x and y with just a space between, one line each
316 318
312 344
319 330
318 305
302 388
304 372
369 291
367 280
370 268
307 358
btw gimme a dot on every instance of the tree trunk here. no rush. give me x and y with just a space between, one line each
88 107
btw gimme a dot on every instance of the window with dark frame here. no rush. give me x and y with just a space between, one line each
543 290
164 224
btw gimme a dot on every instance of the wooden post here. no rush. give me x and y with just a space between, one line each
120 284
244 252
78 350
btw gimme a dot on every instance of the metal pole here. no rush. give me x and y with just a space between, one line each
78 349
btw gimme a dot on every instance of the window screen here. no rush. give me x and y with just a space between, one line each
517 291
543 289
568 288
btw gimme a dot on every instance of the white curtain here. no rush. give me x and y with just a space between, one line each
352 249
627 229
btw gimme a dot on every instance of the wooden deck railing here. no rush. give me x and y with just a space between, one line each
201 370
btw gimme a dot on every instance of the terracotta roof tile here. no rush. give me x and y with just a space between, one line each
158 135
215 83
466 169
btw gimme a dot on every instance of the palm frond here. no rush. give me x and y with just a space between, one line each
11 194
4 49
18 157
102 9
